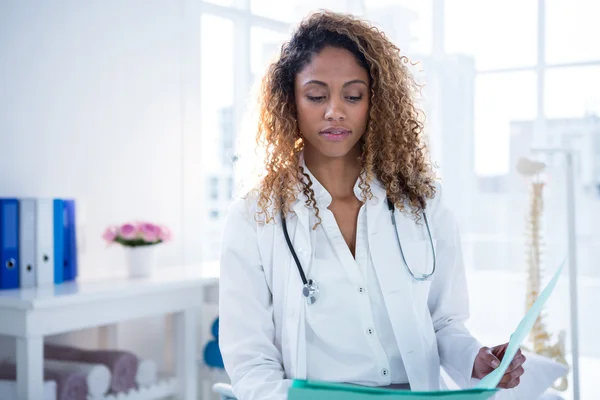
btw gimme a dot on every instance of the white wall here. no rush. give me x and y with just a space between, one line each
98 101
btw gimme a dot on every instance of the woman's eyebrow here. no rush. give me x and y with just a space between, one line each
315 82
321 83
355 81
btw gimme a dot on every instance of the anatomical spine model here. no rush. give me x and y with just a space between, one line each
539 337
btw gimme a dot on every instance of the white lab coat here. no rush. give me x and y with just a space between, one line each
261 307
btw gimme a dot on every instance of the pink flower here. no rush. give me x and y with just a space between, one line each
149 232
164 234
110 234
128 231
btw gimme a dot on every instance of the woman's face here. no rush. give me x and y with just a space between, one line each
332 102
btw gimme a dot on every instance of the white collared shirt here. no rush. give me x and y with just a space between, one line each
348 291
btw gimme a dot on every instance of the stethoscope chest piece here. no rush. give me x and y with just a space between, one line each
310 290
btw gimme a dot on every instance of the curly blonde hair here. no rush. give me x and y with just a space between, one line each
393 148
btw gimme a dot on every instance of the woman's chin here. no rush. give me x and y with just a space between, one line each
340 152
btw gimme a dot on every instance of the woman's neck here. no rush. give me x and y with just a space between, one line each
337 175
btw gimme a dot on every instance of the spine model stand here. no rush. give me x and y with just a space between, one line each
539 337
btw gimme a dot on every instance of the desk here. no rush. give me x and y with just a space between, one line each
30 314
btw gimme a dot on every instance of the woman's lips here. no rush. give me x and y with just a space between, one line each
335 134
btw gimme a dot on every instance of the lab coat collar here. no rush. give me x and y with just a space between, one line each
323 197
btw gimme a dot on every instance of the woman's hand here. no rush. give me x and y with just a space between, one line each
488 360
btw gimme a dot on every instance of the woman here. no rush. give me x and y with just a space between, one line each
341 134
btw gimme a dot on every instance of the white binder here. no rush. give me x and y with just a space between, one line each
44 242
27 263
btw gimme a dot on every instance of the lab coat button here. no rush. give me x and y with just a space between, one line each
361 290
384 372
370 331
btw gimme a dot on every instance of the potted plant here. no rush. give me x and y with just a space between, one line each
139 240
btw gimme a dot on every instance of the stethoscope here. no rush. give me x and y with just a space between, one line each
310 289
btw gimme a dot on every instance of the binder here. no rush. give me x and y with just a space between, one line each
312 390
9 243
59 243
44 242
27 267
70 242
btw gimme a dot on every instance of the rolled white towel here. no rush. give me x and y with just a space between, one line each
8 390
97 375
147 373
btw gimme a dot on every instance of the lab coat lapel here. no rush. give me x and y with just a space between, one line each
302 215
300 234
396 286
299 228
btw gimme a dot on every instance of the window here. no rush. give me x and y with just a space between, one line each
573 92
493 32
216 80
230 187
293 10
408 23
224 3
227 133
493 229
217 103
499 100
264 45
214 188
572 30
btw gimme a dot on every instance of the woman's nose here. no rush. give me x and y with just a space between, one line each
335 111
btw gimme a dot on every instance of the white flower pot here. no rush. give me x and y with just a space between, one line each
141 260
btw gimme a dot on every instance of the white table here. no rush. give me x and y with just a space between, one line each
31 314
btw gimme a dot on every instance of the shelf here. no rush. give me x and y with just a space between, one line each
33 314
119 287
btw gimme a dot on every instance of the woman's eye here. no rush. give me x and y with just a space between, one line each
316 98
354 98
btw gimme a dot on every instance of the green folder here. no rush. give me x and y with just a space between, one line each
313 390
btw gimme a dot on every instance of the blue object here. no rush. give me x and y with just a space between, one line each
59 242
212 355
215 329
9 243
70 242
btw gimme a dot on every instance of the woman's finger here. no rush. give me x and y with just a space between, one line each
499 350
516 362
514 383
485 354
510 377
